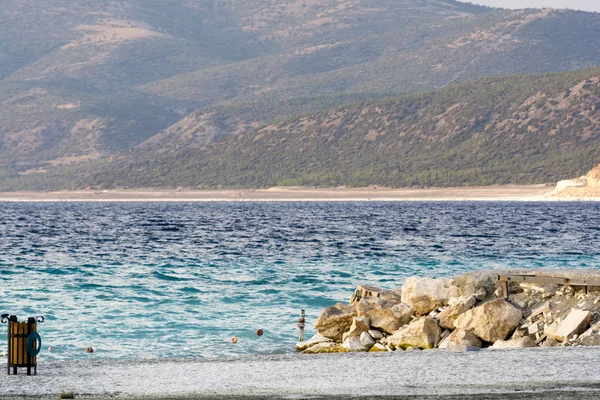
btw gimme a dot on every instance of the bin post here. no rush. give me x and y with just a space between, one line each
301 326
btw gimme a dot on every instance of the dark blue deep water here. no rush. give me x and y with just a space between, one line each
153 280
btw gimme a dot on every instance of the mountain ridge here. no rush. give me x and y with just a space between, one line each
84 83
498 130
102 78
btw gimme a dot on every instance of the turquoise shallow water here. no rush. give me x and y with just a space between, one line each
155 280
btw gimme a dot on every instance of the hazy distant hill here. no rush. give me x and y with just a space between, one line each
518 129
88 79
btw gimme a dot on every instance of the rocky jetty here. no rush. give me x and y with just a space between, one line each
465 313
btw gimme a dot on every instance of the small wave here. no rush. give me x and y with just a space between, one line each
166 277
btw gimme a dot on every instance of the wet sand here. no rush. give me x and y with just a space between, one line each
565 372
486 193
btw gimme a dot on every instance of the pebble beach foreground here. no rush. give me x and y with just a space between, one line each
557 365
499 374
469 312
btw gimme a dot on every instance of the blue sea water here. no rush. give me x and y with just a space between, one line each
155 280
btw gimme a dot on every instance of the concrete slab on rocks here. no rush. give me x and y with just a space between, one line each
575 324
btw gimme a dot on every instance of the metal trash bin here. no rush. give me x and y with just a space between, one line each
24 343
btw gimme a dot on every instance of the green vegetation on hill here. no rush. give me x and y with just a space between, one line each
87 79
515 129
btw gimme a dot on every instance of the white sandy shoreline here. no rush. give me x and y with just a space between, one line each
529 193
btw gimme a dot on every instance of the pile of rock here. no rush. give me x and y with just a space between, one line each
587 186
465 313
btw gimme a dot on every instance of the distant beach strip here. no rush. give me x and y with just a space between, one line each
484 193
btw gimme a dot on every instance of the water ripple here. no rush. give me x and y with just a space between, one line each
152 280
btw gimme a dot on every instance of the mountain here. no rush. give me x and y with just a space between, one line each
81 82
498 130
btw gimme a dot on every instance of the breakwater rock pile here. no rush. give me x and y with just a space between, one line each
465 313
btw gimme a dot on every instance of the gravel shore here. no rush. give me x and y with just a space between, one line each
567 373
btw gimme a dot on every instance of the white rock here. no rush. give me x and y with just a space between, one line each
366 340
372 291
318 338
423 333
332 323
491 321
352 344
461 348
345 308
576 323
499 293
460 337
375 334
568 183
328 347
426 294
523 342
391 319
457 306
533 329
550 329
378 347
359 325
543 309
480 295
368 304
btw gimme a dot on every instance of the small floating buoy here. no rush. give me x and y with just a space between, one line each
234 340
90 349
259 332
50 348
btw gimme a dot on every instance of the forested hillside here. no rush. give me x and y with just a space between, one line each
517 129
84 81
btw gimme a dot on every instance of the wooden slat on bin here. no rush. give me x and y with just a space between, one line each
18 345
11 343
20 360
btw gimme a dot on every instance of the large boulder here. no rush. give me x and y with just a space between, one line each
460 337
367 304
491 321
391 319
458 305
359 325
318 338
333 322
477 282
520 343
426 294
345 308
574 324
423 333
362 291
